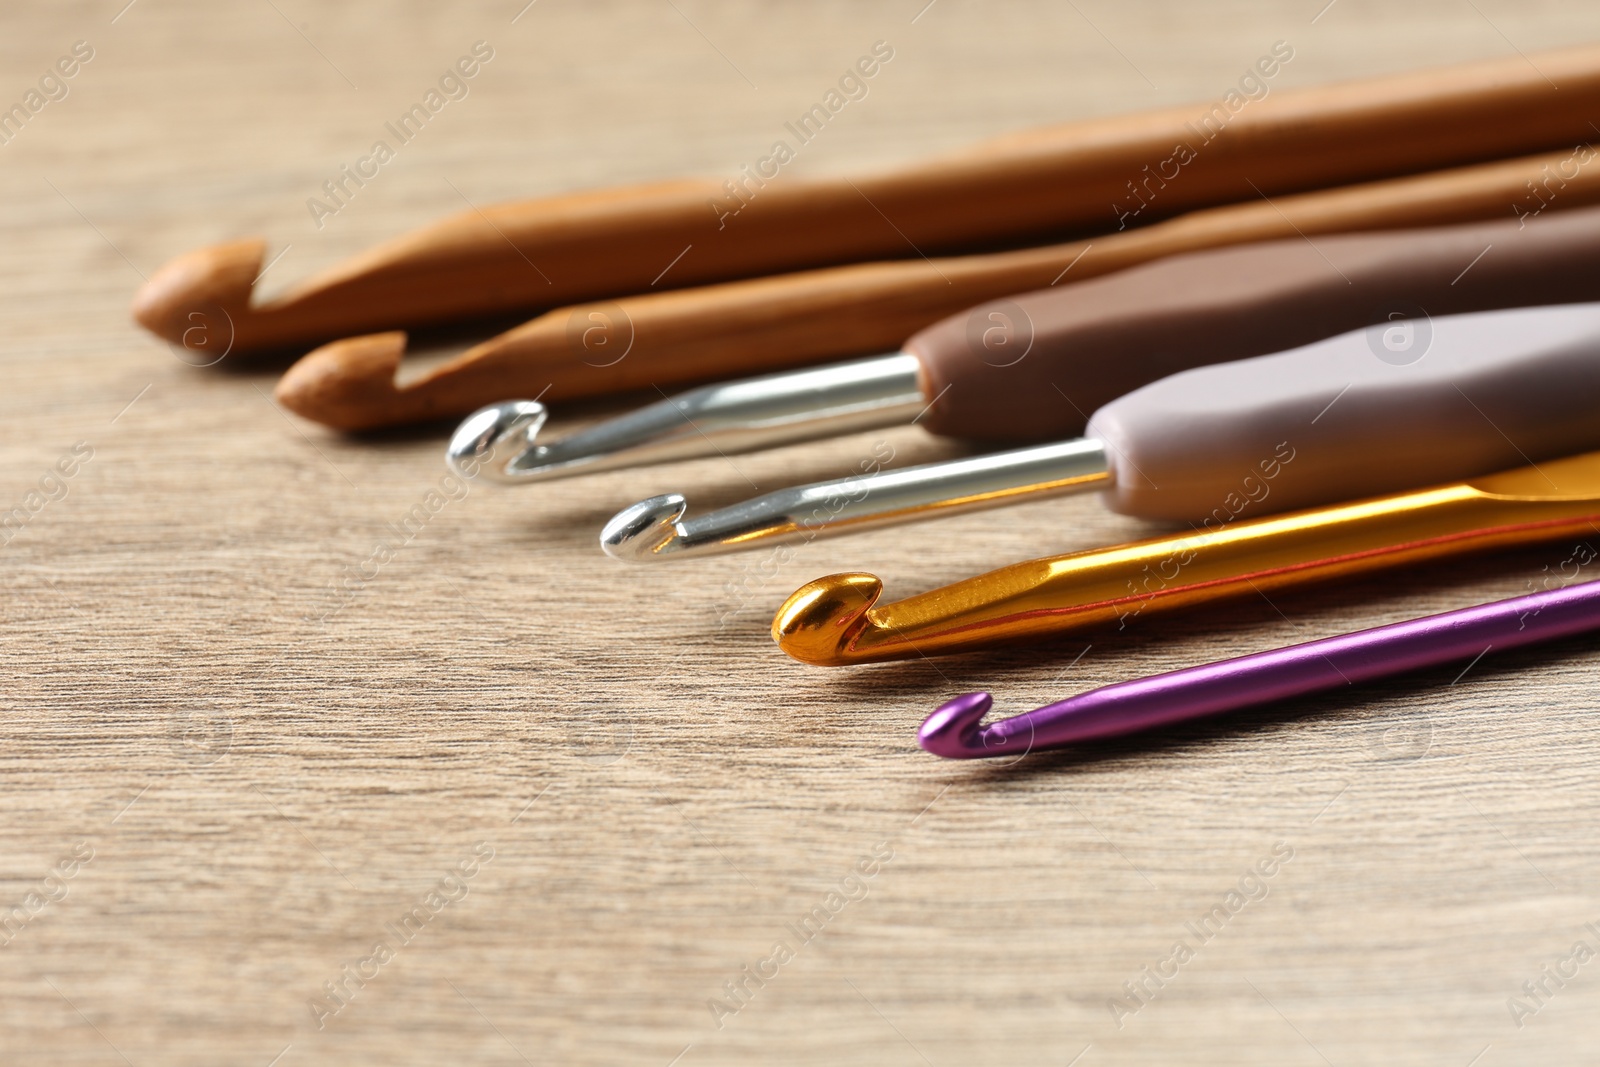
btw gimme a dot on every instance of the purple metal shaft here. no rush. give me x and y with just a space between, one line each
956 731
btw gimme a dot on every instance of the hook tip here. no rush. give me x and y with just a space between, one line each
493 438
215 281
821 620
644 530
348 384
953 730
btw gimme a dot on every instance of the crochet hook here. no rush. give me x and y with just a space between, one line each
1031 368
604 243
837 620
957 731
661 339
1466 395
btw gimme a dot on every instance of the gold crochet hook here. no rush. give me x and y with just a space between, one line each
837 620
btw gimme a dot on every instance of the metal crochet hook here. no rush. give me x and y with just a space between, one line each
837 620
1330 421
654 528
957 731
498 441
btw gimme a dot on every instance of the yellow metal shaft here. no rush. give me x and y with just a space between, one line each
836 620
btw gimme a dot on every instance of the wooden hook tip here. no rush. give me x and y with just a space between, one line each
199 282
348 384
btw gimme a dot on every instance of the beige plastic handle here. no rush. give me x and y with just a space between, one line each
1400 404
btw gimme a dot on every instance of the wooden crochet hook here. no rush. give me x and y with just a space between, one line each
662 339
1091 176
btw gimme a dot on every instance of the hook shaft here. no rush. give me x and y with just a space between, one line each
656 529
738 416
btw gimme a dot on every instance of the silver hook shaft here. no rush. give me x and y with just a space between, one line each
740 416
656 529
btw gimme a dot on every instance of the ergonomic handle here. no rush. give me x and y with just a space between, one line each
1416 402
1034 367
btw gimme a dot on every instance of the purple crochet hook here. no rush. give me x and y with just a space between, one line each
956 731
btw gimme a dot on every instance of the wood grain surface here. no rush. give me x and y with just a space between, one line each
527 805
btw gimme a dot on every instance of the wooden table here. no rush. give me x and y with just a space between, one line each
519 803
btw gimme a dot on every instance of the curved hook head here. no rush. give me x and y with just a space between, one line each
954 731
349 384
491 440
644 530
202 282
819 623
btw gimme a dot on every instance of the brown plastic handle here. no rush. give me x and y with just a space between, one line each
1054 356
1038 185
662 340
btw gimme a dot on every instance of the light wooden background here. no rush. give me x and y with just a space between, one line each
264 791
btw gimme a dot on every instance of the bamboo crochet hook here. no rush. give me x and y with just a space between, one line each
662 339
1085 175
837 620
